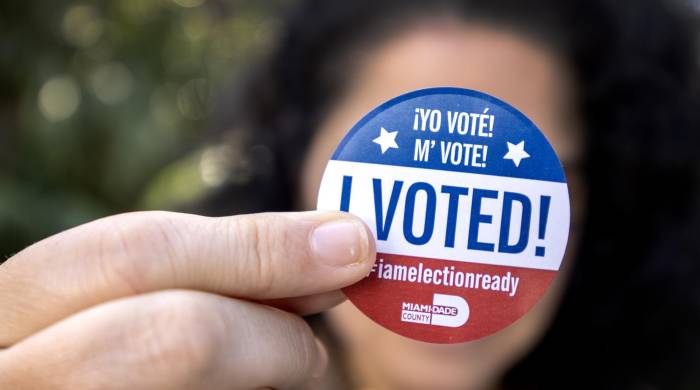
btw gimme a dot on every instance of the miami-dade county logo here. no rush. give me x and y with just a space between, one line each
447 310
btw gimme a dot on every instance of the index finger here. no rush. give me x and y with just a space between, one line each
257 256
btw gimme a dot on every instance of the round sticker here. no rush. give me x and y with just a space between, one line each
469 206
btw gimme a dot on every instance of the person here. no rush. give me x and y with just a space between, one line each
168 300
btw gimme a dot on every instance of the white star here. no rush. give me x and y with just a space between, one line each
516 152
386 139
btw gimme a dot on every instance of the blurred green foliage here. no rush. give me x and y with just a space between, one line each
103 104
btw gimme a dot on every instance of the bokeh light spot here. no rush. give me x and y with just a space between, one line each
213 165
189 3
111 82
82 25
59 98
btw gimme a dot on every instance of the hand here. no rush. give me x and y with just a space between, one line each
157 300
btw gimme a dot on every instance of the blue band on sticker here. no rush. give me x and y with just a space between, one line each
482 135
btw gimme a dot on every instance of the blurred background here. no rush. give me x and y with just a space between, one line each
106 107
104 104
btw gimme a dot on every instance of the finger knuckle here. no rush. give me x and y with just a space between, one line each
185 337
301 339
266 240
131 247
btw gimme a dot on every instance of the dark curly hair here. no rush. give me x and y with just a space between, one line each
630 316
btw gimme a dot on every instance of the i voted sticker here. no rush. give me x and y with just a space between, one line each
469 206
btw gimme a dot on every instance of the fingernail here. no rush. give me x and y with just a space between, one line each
321 360
340 242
